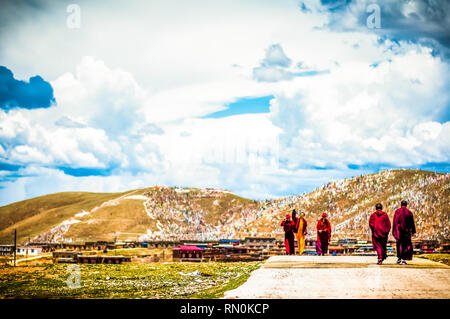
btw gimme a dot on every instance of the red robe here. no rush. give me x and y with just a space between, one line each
325 234
402 231
295 219
323 237
380 225
288 226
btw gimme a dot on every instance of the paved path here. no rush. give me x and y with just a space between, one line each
11 261
345 277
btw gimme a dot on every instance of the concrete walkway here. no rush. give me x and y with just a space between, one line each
11 261
338 277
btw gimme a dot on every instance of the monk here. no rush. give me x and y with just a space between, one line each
380 225
294 218
402 230
288 226
300 227
323 235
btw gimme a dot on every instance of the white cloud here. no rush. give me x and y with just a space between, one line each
108 99
28 154
38 181
31 143
271 74
273 67
69 122
359 114
275 56
227 140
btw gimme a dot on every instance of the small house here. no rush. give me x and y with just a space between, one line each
187 253
28 250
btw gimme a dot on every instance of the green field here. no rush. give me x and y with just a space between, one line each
156 280
441 258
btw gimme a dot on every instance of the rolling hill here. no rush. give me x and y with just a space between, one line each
163 212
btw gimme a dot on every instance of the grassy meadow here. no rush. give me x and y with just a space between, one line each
440 258
141 281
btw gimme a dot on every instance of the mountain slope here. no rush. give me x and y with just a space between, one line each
33 216
349 203
153 213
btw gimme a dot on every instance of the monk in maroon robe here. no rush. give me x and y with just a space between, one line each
402 231
294 219
323 235
288 226
380 225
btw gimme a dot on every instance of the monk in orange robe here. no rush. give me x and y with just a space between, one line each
300 227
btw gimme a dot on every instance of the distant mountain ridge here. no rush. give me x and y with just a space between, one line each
173 213
350 202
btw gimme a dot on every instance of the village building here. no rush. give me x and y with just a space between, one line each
65 256
29 250
77 257
6 250
187 253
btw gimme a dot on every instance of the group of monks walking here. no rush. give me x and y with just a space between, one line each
402 229
296 227
379 223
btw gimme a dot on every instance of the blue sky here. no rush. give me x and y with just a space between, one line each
244 105
34 93
264 98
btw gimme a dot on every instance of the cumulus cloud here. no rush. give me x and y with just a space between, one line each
29 143
276 66
67 121
104 98
271 74
420 21
97 129
151 128
36 93
360 114
37 180
275 56
273 67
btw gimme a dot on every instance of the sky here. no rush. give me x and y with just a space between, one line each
263 98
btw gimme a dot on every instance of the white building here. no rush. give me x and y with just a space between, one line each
28 250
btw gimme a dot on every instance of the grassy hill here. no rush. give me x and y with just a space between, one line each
172 213
33 216
123 216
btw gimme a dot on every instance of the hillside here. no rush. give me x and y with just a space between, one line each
162 212
153 213
33 216
350 202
